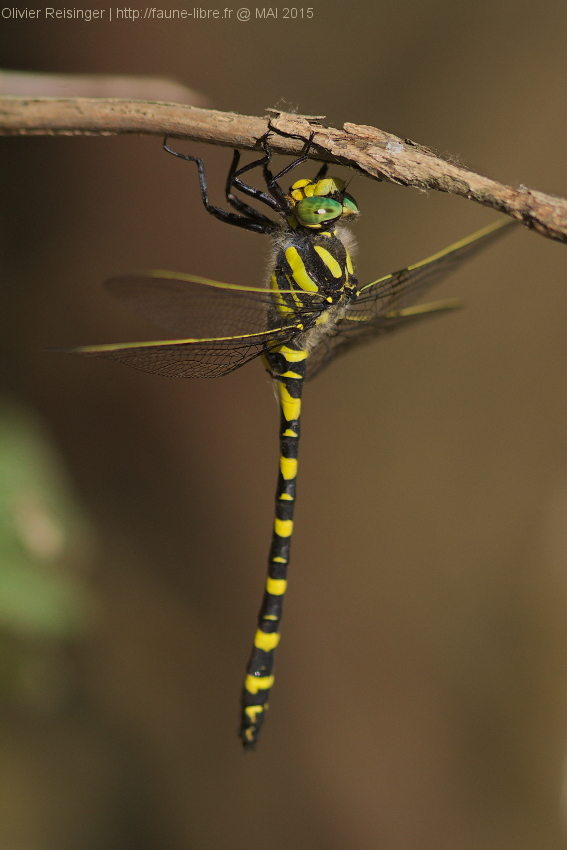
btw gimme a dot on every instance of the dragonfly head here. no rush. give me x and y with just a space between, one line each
318 205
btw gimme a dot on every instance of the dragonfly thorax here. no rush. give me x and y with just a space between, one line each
313 263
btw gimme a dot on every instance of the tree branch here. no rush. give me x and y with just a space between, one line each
368 150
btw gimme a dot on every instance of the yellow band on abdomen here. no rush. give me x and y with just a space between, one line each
291 354
291 406
252 712
288 467
276 586
283 527
265 641
253 684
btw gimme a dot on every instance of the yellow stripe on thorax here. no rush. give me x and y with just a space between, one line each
282 308
329 261
300 276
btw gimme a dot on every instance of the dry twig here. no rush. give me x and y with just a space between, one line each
368 150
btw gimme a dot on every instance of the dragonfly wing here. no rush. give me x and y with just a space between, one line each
222 325
385 304
404 287
189 358
192 306
330 347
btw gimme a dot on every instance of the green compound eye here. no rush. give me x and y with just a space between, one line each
350 207
312 212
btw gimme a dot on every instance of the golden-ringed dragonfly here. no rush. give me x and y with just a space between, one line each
312 309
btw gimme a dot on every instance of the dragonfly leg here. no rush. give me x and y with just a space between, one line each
233 181
256 222
272 180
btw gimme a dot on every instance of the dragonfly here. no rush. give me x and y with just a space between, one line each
311 310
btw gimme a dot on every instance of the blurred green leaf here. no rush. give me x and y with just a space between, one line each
41 530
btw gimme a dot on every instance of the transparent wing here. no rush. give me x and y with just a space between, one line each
193 306
223 325
404 287
190 358
329 347
198 307
384 304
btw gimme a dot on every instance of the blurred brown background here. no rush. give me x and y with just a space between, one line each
421 696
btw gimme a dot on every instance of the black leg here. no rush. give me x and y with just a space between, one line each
271 180
233 181
245 221
322 172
